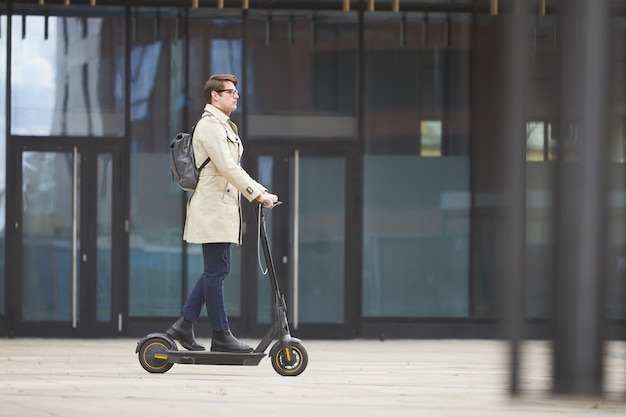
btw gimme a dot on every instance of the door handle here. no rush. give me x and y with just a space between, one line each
75 239
296 235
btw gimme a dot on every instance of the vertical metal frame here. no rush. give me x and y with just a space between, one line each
512 237
354 204
581 198
10 252
185 117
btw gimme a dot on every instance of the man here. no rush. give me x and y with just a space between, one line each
214 214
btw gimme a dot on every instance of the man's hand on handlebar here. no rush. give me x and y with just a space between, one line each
268 200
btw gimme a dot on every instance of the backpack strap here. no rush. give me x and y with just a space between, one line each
205 114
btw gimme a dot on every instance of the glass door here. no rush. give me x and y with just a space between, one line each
69 233
307 237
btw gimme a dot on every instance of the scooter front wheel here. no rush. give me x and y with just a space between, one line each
153 355
278 356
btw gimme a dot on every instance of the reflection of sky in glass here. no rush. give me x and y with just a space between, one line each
144 61
33 75
226 59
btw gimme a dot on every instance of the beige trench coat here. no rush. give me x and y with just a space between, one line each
214 208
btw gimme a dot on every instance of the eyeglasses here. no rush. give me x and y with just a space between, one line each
232 91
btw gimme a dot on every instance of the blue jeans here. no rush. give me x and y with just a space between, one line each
209 289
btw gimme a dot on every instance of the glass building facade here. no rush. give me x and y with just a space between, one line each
376 128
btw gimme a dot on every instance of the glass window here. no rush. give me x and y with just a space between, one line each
616 292
156 203
540 142
416 236
319 279
540 153
160 103
67 74
214 48
430 138
103 242
312 92
321 241
535 141
416 178
539 237
47 221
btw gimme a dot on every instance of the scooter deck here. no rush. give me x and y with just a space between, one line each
213 358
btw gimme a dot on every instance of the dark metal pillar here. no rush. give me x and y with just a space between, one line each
513 235
581 195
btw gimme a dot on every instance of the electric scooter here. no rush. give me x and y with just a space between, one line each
158 352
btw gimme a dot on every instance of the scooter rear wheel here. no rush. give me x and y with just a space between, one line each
152 353
280 362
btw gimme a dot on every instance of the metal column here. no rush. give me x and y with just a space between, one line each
581 197
513 133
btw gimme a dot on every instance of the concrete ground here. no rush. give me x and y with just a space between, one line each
52 377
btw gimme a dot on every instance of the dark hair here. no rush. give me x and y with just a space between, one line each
216 82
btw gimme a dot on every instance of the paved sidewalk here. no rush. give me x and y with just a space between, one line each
52 377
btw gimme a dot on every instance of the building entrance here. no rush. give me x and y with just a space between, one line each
67 238
307 236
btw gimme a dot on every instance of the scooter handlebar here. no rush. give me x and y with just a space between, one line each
266 203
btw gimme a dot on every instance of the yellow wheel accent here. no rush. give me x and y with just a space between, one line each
281 358
153 357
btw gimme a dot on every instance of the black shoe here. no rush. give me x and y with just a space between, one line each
224 341
182 331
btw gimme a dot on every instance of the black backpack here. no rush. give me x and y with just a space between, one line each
184 171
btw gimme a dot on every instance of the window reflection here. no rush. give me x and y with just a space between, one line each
64 79
160 104
535 141
33 76
47 222
416 236
321 240
430 138
157 103
144 61
104 241
226 58
416 172
312 92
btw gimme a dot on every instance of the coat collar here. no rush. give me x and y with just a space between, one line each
224 120
217 113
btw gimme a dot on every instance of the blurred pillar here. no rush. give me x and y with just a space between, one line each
513 135
581 196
